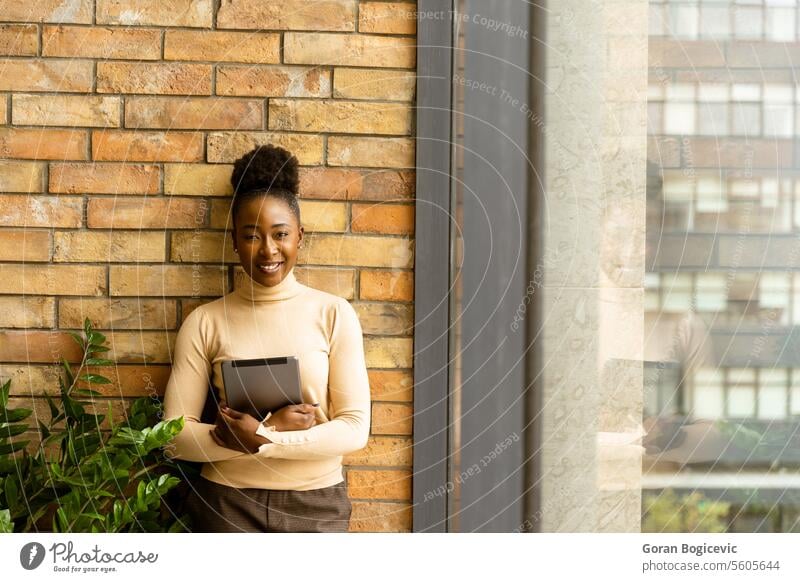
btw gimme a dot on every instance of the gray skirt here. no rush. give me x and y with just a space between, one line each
219 508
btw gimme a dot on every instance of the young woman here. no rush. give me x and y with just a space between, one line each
287 475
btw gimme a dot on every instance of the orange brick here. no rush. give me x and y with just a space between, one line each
340 282
71 110
241 47
192 113
337 116
392 418
330 183
50 346
101 43
105 178
52 279
226 147
20 176
108 313
39 75
19 40
141 212
387 18
190 13
27 312
198 179
202 247
389 352
44 144
378 484
157 78
128 247
38 346
383 218
69 11
288 14
386 285
168 280
380 517
389 185
127 380
371 152
391 385
357 50
3 109
24 245
323 216
358 251
147 146
273 81
378 84
383 451
41 211
385 318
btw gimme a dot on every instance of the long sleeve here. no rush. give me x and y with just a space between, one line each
348 386
186 394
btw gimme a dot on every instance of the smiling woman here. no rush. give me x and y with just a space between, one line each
282 473
267 231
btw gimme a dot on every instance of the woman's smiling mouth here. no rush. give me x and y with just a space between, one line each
271 267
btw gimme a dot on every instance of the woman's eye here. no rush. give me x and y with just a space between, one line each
251 237
283 234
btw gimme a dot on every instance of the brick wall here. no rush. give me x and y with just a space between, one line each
119 122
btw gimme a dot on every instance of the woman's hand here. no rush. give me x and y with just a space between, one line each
293 417
237 430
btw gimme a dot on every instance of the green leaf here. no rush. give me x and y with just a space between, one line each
6 525
63 522
68 371
45 432
94 379
86 392
13 447
11 491
10 430
5 390
54 412
14 415
96 338
99 362
78 339
94 349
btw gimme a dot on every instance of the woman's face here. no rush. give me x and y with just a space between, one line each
267 237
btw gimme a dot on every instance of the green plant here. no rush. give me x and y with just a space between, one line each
82 477
669 513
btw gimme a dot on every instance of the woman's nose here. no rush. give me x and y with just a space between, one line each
268 248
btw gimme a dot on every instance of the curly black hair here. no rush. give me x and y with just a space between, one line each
266 170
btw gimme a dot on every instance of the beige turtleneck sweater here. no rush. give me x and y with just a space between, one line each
254 321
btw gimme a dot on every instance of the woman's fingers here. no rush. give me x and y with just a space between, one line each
231 412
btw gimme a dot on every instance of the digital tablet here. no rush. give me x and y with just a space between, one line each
262 385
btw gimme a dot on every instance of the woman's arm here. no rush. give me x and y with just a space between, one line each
348 394
186 393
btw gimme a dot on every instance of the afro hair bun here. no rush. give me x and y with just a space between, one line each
267 167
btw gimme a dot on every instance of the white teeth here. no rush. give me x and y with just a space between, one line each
269 267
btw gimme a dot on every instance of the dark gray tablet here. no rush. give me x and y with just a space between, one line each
262 385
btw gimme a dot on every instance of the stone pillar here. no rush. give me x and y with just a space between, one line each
593 265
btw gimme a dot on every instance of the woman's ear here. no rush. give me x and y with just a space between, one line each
300 238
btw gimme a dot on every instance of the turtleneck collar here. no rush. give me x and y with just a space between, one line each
251 290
